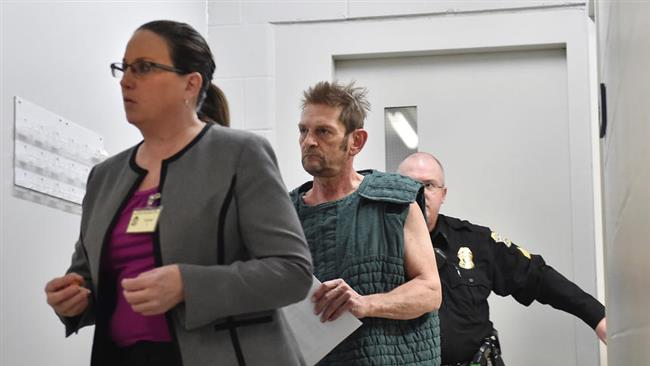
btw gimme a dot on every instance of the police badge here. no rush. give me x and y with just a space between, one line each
465 258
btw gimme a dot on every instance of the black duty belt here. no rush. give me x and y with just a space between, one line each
489 354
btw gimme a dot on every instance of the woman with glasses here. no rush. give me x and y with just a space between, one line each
189 243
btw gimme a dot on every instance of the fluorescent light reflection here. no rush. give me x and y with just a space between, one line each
403 129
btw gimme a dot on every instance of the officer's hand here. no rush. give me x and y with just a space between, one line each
156 291
601 330
335 297
66 295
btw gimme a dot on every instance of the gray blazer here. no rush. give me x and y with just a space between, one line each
228 223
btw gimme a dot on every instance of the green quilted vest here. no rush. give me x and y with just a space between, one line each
360 238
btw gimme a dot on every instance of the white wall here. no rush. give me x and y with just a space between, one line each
57 54
624 39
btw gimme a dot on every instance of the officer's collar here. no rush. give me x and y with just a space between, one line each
440 232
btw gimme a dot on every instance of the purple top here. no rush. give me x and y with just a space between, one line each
127 256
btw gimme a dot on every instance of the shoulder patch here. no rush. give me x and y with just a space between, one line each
500 239
524 252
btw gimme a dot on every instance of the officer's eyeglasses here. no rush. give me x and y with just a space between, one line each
140 68
432 186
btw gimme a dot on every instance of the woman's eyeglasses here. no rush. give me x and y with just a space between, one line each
140 68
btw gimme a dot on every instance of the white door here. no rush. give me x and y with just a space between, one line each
499 122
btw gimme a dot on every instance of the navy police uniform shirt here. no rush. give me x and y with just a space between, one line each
473 261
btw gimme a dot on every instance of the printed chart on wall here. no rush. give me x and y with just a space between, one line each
53 155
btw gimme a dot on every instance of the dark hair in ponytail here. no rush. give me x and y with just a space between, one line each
215 107
190 52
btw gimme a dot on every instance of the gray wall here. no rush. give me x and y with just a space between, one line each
56 55
624 39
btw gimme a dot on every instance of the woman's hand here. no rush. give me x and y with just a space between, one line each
156 291
66 295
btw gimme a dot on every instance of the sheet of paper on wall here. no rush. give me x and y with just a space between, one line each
315 338
53 155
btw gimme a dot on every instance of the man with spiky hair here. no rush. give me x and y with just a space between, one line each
367 236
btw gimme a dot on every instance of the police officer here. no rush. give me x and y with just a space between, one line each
472 262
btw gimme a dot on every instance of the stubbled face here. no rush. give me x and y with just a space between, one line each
323 141
157 94
430 174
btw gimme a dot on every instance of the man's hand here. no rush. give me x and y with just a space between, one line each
601 330
66 295
156 291
335 297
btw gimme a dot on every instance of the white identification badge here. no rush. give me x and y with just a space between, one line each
145 220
